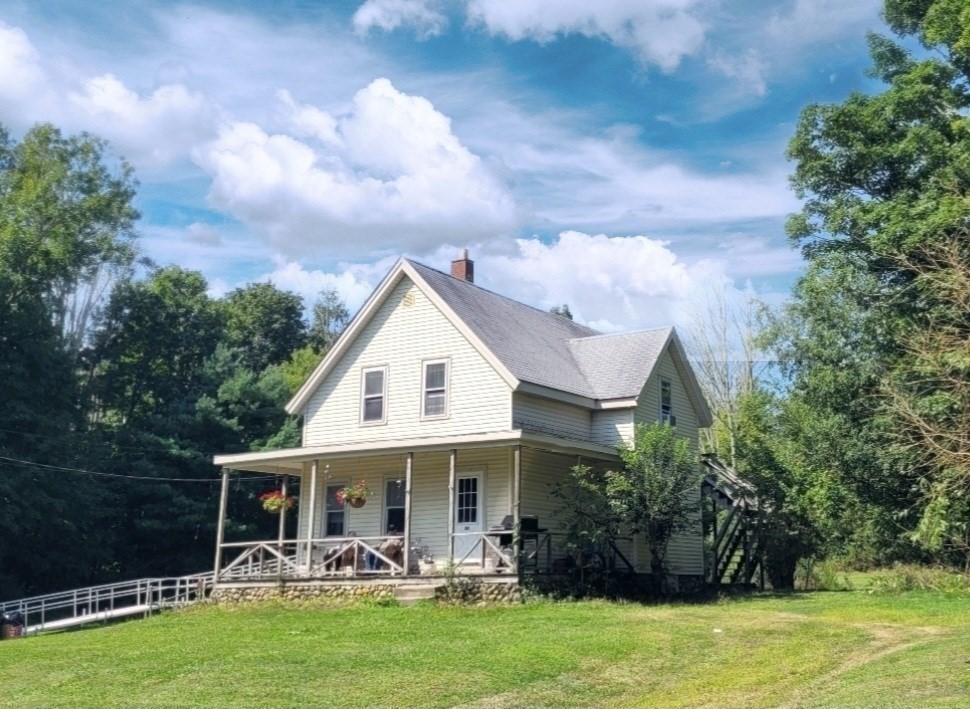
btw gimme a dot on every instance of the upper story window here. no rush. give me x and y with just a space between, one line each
666 403
434 396
373 396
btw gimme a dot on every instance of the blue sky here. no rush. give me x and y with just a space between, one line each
625 157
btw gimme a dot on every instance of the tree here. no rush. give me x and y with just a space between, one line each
886 190
65 213
265 323
562 310
153 341
722 340
330 317
66 222
657 491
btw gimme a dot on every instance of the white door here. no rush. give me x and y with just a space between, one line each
468 517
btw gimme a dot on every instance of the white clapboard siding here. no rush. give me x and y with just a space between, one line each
429 493
685 553
532 413
407 329
610 426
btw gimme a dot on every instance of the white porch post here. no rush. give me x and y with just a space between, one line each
220 525
285 491
451 505
516 506
407 513
311 513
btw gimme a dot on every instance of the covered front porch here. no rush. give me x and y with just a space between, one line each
462 505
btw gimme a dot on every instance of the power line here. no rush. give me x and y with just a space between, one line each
82 471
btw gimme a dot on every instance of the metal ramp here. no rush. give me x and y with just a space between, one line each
93 604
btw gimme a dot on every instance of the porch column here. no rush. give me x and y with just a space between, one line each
516 506
311 513
407 513
221 523
285 491
451 505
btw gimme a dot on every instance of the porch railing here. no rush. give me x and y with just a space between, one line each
327 557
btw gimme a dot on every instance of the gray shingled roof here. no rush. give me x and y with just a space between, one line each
550 350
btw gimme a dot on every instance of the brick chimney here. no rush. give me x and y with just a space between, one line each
463 267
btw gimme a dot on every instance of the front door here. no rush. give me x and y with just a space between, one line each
468 517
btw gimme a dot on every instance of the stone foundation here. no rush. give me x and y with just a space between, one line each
322 593
465 591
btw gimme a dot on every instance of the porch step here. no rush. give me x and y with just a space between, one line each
409 595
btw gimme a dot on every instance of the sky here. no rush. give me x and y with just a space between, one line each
624 157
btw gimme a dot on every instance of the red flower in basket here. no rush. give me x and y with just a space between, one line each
274 502
354 495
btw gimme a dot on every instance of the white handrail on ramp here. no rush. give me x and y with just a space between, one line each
67 609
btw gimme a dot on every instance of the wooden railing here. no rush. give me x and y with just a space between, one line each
326 557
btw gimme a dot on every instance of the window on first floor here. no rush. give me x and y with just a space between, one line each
335 514
394 507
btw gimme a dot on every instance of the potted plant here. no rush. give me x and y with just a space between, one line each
354 495
273 501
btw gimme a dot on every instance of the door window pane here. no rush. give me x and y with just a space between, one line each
467 501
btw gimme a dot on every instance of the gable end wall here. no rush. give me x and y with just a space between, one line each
407 329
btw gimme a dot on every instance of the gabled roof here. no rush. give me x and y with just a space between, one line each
528 346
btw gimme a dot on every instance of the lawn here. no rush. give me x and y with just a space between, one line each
805 650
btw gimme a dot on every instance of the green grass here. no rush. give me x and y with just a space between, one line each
804 650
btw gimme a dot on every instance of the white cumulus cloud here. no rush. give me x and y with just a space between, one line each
661 32
388 15
393 178
153 130
611 283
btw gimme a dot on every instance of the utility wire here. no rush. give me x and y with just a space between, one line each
82 471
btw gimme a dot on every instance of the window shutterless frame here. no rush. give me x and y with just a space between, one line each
435 385
666 401
373 396
334 513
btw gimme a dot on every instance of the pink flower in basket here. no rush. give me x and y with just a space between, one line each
354 495
274 502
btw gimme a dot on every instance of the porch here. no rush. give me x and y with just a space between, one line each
477 507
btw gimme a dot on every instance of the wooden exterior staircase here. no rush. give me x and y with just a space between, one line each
733 515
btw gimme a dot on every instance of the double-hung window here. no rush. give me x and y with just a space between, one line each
335 512
434 389
394 507
373 395
666 402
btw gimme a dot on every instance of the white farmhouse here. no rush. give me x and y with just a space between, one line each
459 409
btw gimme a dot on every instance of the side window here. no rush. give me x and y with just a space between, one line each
373 395
666 402
394 507
434 389
335 513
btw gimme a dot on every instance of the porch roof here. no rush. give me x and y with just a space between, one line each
291 460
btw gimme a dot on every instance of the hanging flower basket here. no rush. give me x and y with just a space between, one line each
354 495
274 502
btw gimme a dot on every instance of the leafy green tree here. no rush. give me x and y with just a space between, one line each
154 339
265 323
657 491
64 214
884 179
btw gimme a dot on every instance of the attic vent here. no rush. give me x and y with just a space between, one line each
408 299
